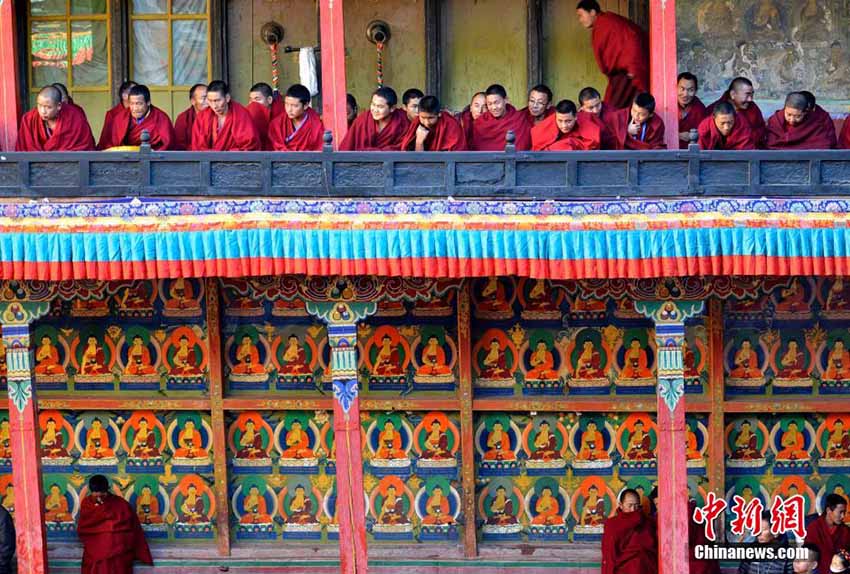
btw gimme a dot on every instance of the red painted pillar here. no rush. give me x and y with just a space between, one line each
333 68
10 104
664 66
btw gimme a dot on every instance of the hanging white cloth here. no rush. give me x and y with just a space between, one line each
307 70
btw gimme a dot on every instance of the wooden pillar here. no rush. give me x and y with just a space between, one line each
24 434
669 317
467 440
333 68
716 392
10 103
663 65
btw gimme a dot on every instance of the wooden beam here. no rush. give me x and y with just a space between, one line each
10 102
467 434
121 404
333 68
534 41
580 404
716 389
433 52
664 67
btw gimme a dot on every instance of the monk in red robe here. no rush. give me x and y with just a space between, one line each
67 100
740 94
691 109
52 126
186 119
590 101
630 540
263 107
140 116
800 126
410 102
638 127
472 112
622 52
110 532
828 532
539 105
350 109
844 138
113 113
433 130
489 130
225 126
300 127
822 116
725 129
380 128
568 130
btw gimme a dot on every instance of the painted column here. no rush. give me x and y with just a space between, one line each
333 68
663 66
10 104
24 436
669 317
464 349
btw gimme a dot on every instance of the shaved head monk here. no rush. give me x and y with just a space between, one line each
725 130
300 127
186 119
140 116
116 111
828 532
350 109
380 128
67 100
261 107
410 102
490 129
622 52
54 126
630 540
821 116
798 125
691 109
263 94
740 94
539 105
472 112
567 130
638 127
433 130
225 125
590 101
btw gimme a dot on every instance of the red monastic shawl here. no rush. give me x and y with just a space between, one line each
125 130
691 118
532 120
72 132
653 138
828 543
753 115
261 116
740 138
363 135
309 137
844 139
183 129
816 132
585 136
621 49
630 544
112 114
112 536
447 135
237 133
488 133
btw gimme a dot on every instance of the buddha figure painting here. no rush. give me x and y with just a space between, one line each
791 441
434 356
98 438
837 304
61 507
589 363
436 306
593 502
833 443
591 444
386 357
139 355
300 506
835 363
181 297
255 506
93 357
151 504
540 301
189 439
296 439
541 364
544 441
295 358
436 440
51 359
745 362
793 303
389 438
635 361
142 438
57 441
437 505
636 441
791 361
185 360
500 505
193 507
746 444
247 356
493 298
240 299
696 435
547 505
495 360
134 299
391 503
249 439
497 441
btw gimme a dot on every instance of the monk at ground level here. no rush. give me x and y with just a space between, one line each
568 130
225 126
799 125
630 540
725 129
54 126
489 131
433 130
638 127
299 128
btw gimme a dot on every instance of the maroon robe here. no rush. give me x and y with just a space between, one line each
532 120
237 134
752 114
183 129
630 544
609 140
488 133
261 116
309 137
691 118
740 138
816 132
364 135
447 135
621 49
828 540
112 114
465 119
652 136
126 131
585 136
112 536
844 139
697 537
72 132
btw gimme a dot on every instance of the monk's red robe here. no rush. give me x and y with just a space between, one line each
237 134
609 140
740 138
308 137
691 118
277 108
697 537
112 536
829 540
753 116
363 135
447 135
465 119
532 120
816 132
261 116
630 544
585 136
488 133
651 135
113 113
126 131
183 129
844 138
622 50
72 132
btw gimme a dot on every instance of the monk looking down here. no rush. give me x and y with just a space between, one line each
691 109
740 94
621 50
115 112
54 126
186 119
638 128
140 116
725 130
263 108
410 102
539 105
590 101
299 128
568 130
380 128
433 130
630 541
828 532
490 129
225 126
110 532
800 126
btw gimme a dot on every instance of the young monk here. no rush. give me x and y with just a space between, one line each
116 111
186 119
630 539
263 107
141 115
539 105
638 128
590 101
725 129
300 128
380 128
490 129
433 130
53 126
740 94
691 109
225 126
472 112
821 115
828 532
410 102
799 126
568 130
